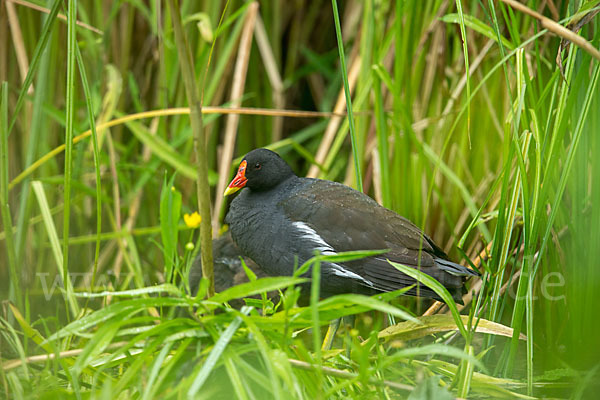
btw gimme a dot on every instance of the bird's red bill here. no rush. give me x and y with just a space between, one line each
239 180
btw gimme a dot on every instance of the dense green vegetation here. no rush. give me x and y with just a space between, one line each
474 119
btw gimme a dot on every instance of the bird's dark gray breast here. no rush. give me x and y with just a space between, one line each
260 229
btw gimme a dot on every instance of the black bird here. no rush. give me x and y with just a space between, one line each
228 270
279 216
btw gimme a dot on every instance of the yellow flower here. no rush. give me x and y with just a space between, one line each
193 220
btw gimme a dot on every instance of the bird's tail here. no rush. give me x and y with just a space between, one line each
455 269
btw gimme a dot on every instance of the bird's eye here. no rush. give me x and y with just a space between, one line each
257 166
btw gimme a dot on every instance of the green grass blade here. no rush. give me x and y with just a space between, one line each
438 288
255 287
478 26
37 54
435 349
15 285
234 376
315 290
163 288
121 310
195 104
215 354
355 149
69 133
69 293
463 34
170 212
96 150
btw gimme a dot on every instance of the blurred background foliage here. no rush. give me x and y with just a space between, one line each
471 119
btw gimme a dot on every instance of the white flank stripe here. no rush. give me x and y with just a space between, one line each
325 248
309 233
341 271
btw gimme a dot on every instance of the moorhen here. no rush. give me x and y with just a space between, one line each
279 217
228 270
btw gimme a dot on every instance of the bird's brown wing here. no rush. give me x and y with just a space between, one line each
348 220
